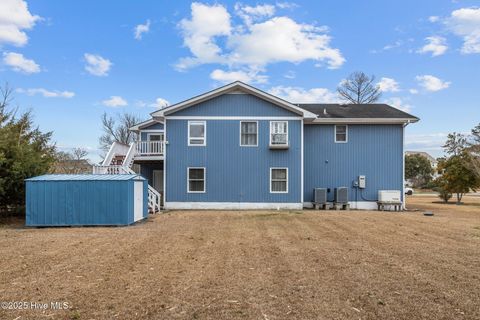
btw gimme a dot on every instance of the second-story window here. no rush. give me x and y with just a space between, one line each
278 133
197 133
248 133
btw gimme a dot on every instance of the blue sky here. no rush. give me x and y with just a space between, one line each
70 61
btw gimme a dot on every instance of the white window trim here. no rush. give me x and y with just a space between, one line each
270 133
204 180
158 133
204 138
248 145
270 182
346 133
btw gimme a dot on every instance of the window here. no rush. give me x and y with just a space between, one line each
341 133
154 136
248 133
197 133
196 180
278 180
278 133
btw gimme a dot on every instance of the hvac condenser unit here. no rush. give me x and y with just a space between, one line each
320 195
389 196
341 195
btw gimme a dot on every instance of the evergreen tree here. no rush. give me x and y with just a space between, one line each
24 151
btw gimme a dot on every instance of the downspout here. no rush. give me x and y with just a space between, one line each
403 165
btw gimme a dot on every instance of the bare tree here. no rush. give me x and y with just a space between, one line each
117 129
6 98
79 153
73 162
358 88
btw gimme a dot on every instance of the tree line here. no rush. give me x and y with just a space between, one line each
458 171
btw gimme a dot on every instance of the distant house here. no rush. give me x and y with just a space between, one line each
240 147
424 154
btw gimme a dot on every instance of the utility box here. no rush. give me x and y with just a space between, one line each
341 195
85 200
320 195
361 182
392 196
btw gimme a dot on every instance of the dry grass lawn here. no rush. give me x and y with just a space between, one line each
253 265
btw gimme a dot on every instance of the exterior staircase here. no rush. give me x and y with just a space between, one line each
109 166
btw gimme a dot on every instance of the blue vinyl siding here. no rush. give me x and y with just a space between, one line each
233 173
240 105
147 167
66 202
375 151
154 126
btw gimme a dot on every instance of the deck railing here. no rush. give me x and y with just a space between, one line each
149 148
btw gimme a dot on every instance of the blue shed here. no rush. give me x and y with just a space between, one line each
86 199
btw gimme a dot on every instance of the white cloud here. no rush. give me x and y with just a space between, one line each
433 18
465 23
388 85
425 141
300 95
14 19
47 93
199 33
286 5
115 101
290 74
253 44
399 103
413 91
244 76
140 29
19 63
97 65
435 45
250 14
281 39
160 103
431 83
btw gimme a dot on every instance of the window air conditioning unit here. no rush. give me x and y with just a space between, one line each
341 195
389 196
320 195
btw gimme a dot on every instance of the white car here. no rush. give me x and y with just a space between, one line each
408 191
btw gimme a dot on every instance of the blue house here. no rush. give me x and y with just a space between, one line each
239 147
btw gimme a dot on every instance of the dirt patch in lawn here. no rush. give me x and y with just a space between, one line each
252 265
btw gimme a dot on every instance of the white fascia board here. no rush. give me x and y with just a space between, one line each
234 86
141 125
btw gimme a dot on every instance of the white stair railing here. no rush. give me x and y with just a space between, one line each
154 197
129 158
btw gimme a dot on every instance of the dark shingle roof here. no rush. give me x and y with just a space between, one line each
379 111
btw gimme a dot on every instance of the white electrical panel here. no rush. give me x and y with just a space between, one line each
361 182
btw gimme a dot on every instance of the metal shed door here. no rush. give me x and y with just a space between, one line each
138 200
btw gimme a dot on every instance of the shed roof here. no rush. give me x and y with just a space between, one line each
85 177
